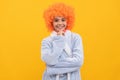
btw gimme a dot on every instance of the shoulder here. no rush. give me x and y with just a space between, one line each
77 39
76 36
46 40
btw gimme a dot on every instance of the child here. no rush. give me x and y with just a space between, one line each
62 51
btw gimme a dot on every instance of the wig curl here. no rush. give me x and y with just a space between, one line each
59 9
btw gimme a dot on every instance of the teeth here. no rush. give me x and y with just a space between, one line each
60 26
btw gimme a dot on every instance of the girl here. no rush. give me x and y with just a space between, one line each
62 51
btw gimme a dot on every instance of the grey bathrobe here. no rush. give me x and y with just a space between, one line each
63 56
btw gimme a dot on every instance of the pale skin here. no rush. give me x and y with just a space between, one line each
59 24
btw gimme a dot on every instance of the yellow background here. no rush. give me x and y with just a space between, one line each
22 28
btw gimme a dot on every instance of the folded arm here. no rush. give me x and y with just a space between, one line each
69 64
77 55
50 54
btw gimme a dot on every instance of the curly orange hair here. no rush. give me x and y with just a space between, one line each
59 9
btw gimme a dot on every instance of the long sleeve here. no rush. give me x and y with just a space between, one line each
77 59
50 53
62 67
70 64
77 51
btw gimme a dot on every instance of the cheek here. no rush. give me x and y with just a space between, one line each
54 24
65 23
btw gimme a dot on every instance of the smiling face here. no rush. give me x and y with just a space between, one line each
59 23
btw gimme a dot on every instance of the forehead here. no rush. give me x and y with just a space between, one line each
59 17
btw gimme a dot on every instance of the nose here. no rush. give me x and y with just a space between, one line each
60 22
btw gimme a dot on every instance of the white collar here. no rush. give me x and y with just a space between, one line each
54 33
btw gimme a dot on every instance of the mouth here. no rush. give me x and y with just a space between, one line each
60 26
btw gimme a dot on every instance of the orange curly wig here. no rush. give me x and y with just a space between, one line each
59 9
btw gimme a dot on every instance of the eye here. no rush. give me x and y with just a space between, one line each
63 19
56 20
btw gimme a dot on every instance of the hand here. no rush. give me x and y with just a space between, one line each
61 32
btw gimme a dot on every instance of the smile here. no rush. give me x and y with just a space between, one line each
60 26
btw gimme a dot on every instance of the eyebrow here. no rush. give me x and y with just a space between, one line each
61 18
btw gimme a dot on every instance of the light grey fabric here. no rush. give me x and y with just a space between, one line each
54 53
